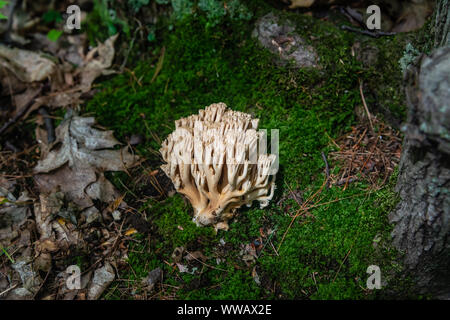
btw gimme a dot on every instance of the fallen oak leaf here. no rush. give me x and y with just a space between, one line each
20 68
23 99
27 66
95 67
76 161
61 99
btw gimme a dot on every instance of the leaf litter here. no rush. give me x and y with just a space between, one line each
66 220
73 215
62 79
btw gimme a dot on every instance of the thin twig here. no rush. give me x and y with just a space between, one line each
342 263
9 289
354 15
327 169
373 34
48 122
365 105
18 115
268 241
300 211
131 46
205 264
356 237
273 247
42 284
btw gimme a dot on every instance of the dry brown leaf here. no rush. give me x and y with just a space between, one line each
46 246
131 231
22 99
13 212
301 3
95 67
196 255
61 99
76 162
27 66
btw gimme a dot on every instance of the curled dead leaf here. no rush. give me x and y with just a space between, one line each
46 246
80 155
27 66
95 67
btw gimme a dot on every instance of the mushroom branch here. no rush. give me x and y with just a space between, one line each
215 159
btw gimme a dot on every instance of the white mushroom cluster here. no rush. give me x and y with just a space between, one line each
214 159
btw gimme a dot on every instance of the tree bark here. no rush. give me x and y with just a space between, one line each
442 24
422 218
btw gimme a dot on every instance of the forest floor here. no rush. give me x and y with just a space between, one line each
327 222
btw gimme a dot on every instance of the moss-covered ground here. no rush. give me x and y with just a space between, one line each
324 252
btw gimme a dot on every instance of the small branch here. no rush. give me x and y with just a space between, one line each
354 15
48 122
373 34
124 63
365 105
9 289
302 210
42 284
205 264
342 263
10 146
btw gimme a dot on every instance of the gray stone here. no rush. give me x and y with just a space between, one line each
282 40
152 279
91 214
102 279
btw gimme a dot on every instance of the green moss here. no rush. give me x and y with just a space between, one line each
172 217
424 40
325 252
136 5
104 22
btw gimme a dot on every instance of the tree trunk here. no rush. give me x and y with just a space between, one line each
422 218
442 24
